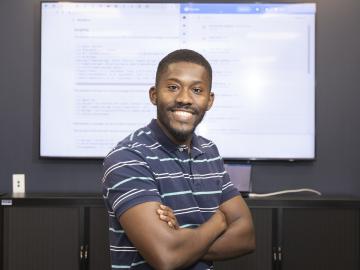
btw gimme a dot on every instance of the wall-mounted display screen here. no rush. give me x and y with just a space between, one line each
98 61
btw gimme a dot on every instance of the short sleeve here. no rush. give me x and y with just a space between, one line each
127 181
228 189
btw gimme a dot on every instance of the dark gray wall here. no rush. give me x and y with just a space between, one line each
334 171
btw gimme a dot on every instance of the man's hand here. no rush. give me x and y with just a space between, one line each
166 214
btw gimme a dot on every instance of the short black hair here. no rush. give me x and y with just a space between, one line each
183 55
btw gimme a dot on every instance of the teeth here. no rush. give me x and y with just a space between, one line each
183 115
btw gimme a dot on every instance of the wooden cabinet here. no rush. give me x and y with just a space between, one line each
99 253
44 232
71 232
303 238
41 238
320 239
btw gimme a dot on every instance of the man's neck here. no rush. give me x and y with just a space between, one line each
186 143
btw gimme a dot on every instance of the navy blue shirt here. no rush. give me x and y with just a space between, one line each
147 166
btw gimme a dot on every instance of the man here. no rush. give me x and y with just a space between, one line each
171 203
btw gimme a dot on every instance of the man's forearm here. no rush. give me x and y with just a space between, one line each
237 240
191 244
164 247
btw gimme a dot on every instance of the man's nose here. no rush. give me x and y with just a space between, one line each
184 96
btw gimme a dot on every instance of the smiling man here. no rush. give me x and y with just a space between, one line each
171 203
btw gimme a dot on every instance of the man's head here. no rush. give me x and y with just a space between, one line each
182 93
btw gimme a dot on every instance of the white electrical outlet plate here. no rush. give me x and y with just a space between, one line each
18 183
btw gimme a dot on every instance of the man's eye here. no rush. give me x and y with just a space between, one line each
172 87
197 90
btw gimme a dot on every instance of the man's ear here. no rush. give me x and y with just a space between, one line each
153 95
211 101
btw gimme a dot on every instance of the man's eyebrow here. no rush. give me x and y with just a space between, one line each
179 81
173 79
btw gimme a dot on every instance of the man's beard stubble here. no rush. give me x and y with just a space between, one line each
181 135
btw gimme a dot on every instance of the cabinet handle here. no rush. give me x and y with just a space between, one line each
280 253
81 252
86 252
274 254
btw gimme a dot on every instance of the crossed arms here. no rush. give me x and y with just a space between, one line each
228 233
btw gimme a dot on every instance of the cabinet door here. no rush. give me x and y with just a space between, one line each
1 237
40 238
99 253
320 239
261 259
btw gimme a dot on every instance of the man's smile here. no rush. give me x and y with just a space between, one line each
181 115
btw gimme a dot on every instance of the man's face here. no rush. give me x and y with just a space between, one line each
182 97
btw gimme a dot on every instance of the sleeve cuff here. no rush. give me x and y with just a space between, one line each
135 201
229 195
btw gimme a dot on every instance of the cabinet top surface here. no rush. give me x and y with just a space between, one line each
95 199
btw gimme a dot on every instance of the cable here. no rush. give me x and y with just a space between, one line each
257 195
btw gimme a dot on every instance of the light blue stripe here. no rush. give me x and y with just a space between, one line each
127 266
132 136
189 225
189 192
127 180
137 263
130 179
185 160
206 192
207 160
177 159
116 231
176 193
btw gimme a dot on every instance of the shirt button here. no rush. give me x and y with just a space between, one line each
181 149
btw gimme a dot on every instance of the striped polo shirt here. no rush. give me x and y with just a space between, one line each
147 166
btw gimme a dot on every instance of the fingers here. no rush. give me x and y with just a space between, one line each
167 211
168 218
166 214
